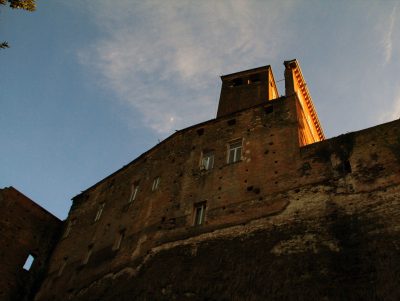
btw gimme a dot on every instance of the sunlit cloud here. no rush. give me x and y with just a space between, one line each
163 58
388 38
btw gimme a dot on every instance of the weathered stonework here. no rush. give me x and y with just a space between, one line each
25 228
279 214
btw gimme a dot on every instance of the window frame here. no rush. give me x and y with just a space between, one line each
99 211
209 163
88 255
235 151
118 240
199 213
29 262
156 183
134 192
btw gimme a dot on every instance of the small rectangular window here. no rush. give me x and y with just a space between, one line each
255 78
29 262
99 212
207 161
199 213
236 82
231 122
235 151
88 254
118 240
62 267
135 190
156 184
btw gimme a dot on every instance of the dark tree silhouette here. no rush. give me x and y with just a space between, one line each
29 5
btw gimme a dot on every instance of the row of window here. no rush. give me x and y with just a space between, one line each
199 209
234 155
255 78
207 163
199 214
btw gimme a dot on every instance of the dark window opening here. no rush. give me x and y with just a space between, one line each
232 122
269 109
255 78
237 82
346 166
199 213
29 262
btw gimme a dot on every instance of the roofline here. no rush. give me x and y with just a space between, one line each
267 67
33 202
170 137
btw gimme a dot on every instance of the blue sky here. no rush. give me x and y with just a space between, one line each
87 86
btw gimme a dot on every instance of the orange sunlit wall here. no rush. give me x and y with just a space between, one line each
310 130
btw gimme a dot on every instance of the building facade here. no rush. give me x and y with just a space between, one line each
253 205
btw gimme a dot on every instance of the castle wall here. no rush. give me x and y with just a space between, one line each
242 207
324 228
25 229
302 201
233 193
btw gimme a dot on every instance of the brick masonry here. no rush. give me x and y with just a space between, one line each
296 218
25 228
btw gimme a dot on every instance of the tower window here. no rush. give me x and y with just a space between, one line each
235 151
237 82
29 262
199 213
200 131
99 212
207 161
156 184
255 78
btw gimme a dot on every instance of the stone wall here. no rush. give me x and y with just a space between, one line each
25 229
323 246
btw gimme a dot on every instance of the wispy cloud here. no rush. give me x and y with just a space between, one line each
162 58
388 37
